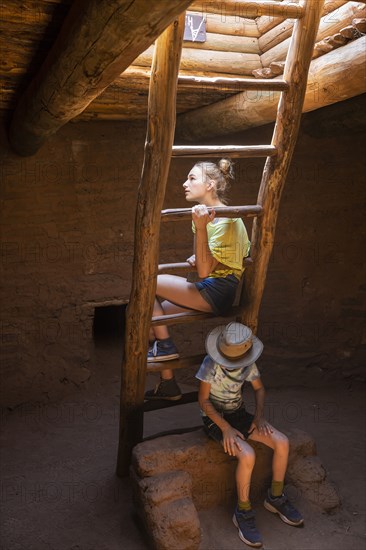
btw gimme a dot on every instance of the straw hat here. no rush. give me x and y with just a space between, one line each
233 346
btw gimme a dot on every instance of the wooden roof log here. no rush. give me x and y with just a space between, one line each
214 151
225 43
329 25
180 214
249 8
266 23
98 41
233 25
280 32
333 77
151 192
214 61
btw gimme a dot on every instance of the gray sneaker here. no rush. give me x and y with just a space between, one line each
283 507
166 389
162 350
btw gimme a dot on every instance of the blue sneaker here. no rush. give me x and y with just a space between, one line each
162 350
244 520
283 507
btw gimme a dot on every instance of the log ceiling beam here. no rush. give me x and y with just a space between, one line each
249 8
98 41
268 22
333 77
329 25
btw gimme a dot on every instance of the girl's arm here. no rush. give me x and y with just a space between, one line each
205 262
259 421
229 434
192 259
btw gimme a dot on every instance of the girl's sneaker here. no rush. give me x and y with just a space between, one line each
283 507
162 350
166 389
245 522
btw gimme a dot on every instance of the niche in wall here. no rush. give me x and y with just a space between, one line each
109 322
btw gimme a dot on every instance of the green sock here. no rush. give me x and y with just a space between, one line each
244 505
277 488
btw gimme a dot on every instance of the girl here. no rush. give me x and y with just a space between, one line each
220 245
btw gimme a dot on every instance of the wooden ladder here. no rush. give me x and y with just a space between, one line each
158 151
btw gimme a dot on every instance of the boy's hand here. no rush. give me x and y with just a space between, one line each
262 426
230 439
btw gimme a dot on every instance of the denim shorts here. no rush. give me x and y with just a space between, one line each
240 419
219 292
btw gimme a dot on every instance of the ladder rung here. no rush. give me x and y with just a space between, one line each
180 214
183 267
235 151
253 8
235 84
182 363
190 397
191 317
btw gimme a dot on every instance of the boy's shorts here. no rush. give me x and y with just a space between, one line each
240 419
219 292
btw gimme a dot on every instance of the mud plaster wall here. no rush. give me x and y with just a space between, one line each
67 243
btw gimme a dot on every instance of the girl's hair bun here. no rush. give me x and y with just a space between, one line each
227 168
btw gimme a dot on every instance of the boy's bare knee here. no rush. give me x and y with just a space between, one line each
282 441
246 454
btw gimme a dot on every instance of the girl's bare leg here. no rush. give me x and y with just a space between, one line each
179 296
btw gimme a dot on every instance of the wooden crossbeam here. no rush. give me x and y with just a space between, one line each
181 363
233 84
191 316
183 267
154 405
180 214
213 151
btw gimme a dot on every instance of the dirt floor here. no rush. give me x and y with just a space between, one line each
60 491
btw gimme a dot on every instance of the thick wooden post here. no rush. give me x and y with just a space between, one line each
98 41
158 149
276 168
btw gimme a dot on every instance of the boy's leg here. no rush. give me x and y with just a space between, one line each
276 501
244 518
244 469
277 441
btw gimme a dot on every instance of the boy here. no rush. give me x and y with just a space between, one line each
232 352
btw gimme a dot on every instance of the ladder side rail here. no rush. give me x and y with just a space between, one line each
158 145
276 168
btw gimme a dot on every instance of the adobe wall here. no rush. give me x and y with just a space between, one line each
67 241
